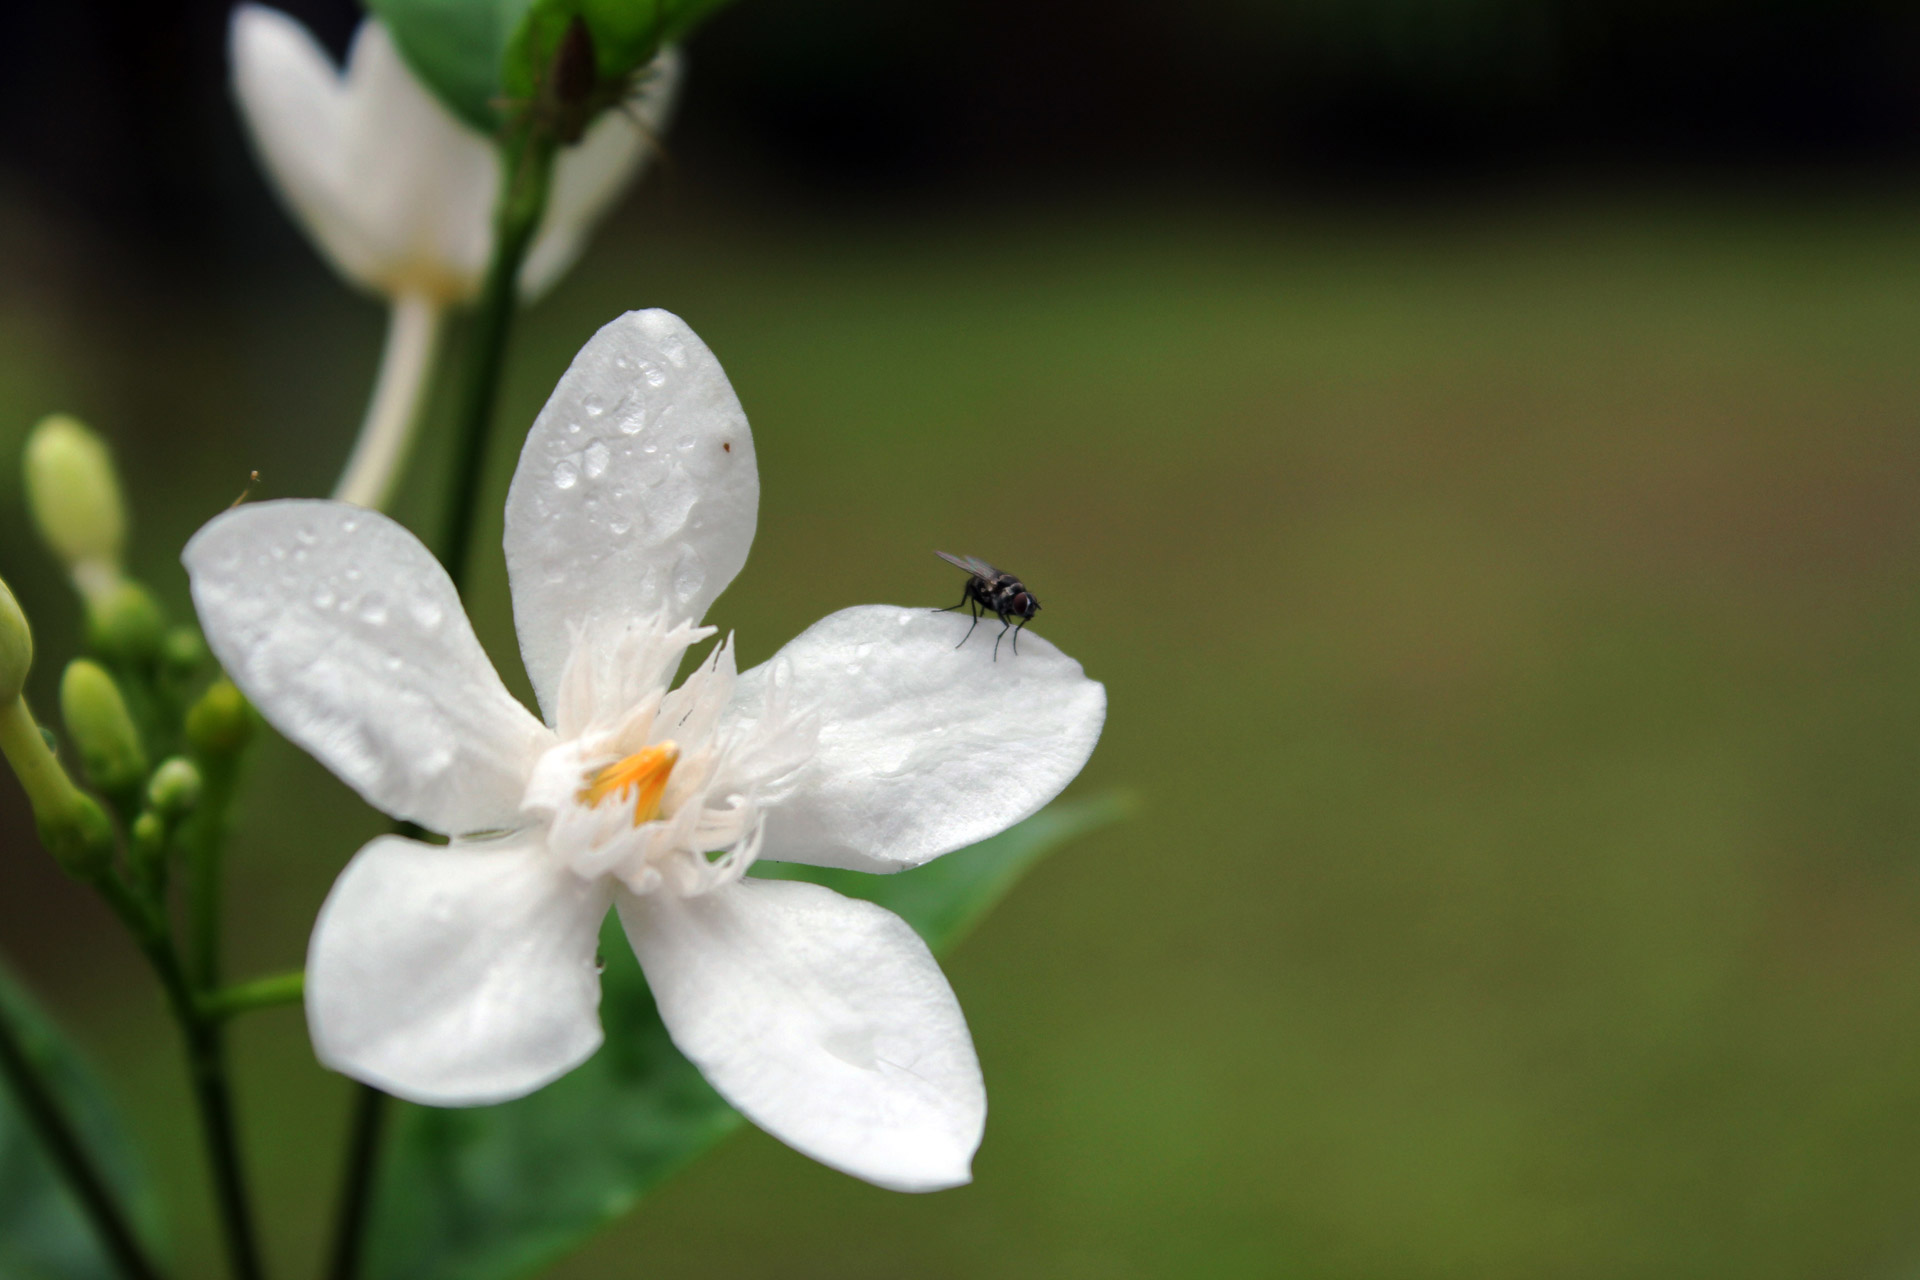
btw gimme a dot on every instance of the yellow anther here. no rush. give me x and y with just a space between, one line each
645 772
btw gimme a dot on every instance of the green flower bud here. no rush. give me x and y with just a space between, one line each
79 836
182 650
16 646
75 496
124 622
147 840
101 728
174 787
221 722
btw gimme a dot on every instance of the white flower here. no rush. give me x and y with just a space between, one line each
395 190
464 974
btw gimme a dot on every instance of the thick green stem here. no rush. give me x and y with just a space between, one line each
206 1071
69 1155
356 1201
204 838
526 167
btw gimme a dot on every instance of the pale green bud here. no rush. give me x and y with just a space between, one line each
183 650
147 839
16 646
124 622
101 728
174 787
74 495
221 722
79 836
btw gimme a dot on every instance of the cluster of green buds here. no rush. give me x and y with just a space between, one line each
152 734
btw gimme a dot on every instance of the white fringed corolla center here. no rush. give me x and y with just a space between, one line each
662 790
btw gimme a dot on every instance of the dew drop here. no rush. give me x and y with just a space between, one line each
304 535
565 474
323 598
675 352
593 406
649 447
349 524
620 527
597 458
373 608
686 444
654 374
573 428
633 423
427 614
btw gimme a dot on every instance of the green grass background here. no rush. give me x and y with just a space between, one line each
1511 618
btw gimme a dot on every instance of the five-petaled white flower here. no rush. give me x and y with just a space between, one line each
395 190
464 973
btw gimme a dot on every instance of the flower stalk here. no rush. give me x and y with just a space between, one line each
526 170
406 367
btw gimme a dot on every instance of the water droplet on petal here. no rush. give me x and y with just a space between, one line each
565 474
619 527
427 614
593 405
373 608
649 447
323 598
304 535
633 423
686 444
597 458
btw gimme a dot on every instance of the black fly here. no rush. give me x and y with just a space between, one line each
989 590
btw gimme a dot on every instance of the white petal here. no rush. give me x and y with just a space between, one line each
590 177
390 185
924 747
456 975
348 636
636 493
824 1020
424 183
295 109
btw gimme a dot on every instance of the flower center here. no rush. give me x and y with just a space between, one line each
645 773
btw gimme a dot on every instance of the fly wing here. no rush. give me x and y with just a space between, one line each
972 564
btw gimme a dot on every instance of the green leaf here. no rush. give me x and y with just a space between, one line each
42 1230
484 58
490 1193
458 47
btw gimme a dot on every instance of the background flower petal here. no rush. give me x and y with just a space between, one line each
456 975
924 748
590 177
294 106
349 637
636 493
824 1019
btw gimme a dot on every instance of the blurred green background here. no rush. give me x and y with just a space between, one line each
1504 565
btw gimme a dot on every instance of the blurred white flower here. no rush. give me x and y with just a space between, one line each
464 973
398 194
396 191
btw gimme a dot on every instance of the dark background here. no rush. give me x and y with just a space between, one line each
1475 442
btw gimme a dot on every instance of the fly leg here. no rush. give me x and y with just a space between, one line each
964 597
1022 626
976 620
1005 622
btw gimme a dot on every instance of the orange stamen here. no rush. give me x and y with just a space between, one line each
645 772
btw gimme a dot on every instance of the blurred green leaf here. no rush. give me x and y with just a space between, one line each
42 1231
490 1193
483 56
458 47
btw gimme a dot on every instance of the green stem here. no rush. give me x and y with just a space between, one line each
363 1149
69 1155
206 1071
204 838
525 169
261 993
